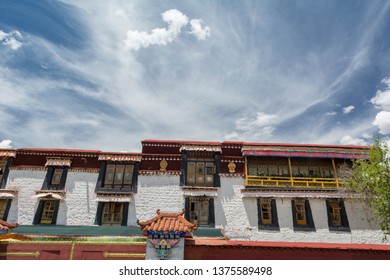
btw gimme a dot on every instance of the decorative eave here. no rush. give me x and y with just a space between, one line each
4 193
201 148
120 157
117 197
50 194
57 161
307 151
248 193
166 222
200 191
159 172
8 153
58 152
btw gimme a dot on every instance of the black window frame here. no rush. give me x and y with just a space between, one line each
310 225
100 208
3 179
215 158
8 202
47 183
211 210
41 206
274 225
102 188
344 226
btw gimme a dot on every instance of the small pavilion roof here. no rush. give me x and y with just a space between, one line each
168 221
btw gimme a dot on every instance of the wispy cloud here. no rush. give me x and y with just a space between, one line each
11 39
349 140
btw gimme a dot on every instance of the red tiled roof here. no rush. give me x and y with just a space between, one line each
167 221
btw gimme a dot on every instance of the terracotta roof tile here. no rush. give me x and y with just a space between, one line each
167 221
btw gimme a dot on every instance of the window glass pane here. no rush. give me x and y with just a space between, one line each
112 213
200 172
191 172
335 213
48 211
119 171
128 174
209 172
252 170
57 175
266 217
199 211
300 213
109 178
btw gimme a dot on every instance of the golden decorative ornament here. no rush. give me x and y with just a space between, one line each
163 165
232 167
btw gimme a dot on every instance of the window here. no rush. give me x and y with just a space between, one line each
302 217
4 169
200 210
277 167
5 205
337 216
47 212
55 178
200 169
200 173
117 177
267 214
112 213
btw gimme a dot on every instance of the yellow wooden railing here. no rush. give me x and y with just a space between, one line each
294 182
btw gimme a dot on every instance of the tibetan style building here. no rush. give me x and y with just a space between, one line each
214 200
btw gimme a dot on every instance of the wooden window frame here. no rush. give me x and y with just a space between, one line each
209 177
43 203
53 183
6 205
4 171
189 201
306 224
109 182
334 205
99 219
272 222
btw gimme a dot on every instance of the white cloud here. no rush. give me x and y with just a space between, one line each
382 101
348 109
333 113
382 98
11 39
5 144
176 20
349 140
382 120
197 30
366 136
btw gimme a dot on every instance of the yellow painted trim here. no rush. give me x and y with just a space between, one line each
123 255
71 254
35 254
290 168
75 242
335 172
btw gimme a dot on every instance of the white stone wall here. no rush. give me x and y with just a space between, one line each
241 220
234 214
78 208
157 192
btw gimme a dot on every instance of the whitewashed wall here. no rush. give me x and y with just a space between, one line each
234 214
241 220
78 208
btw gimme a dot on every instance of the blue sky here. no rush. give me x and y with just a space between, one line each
108 74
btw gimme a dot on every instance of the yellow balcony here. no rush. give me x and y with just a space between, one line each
294 182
